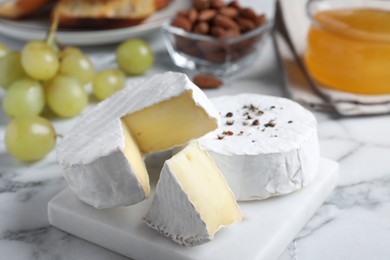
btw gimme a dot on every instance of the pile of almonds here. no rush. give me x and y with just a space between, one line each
219 20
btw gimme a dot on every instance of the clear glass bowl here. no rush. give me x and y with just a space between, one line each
213 55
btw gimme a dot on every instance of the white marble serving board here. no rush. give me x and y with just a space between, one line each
266 230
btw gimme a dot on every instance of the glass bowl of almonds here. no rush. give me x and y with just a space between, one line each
215 37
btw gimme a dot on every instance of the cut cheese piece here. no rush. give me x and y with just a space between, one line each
192 200
134 156
168 123
102 156
265 146
114 179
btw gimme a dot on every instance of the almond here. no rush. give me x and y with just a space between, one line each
229 11
207 81
207 15
222 33
182 22
202 28
217 31
183 13
235 4
217 4
192 15
201 4
248 13
226 22
260 20
246 24
231 33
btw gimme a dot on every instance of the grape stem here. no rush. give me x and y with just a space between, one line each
51 38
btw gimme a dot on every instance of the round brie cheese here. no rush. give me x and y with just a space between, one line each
264 146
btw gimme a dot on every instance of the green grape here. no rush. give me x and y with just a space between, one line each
24 97
66 96
3 50
134 56
39 60
70 50
78 66
11 69
29 138
107 82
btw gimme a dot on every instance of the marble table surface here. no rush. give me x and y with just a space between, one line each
354 222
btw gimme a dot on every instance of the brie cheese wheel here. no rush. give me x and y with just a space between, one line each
102 156
265 146
192 200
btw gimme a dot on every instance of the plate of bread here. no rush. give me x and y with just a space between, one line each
85 22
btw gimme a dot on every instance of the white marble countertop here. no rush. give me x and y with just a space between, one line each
354 223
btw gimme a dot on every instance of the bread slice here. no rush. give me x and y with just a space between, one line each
15 9
99 14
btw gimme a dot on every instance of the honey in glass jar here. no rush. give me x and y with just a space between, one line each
348 45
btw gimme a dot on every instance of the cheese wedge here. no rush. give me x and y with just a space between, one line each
192 200
102 156
265 146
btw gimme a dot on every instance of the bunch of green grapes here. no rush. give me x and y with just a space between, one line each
40 76
35 77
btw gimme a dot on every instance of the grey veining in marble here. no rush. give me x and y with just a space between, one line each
355 221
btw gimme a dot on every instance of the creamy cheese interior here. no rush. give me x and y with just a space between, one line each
206 187
169 123
134 155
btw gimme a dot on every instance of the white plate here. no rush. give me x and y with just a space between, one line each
36 28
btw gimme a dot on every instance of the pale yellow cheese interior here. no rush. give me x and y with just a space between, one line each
206 187
134 156
169 123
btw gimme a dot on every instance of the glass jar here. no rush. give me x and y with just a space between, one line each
348 45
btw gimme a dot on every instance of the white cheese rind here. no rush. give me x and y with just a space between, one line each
258 161
98 132
173 215
106 183
97 139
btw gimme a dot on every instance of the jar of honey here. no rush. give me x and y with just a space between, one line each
348 45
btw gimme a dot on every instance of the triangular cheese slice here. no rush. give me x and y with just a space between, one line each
192 200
